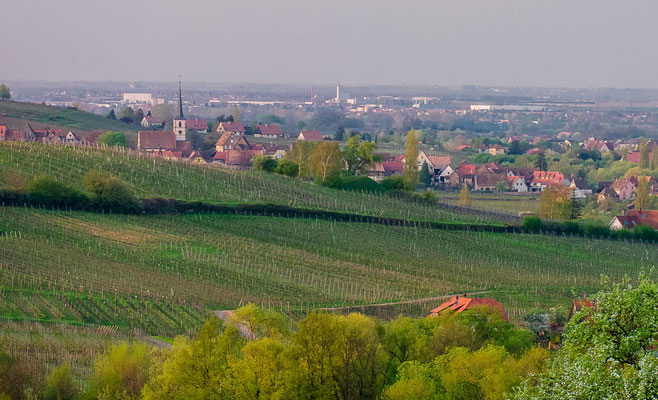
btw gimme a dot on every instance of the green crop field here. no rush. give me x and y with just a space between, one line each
185 181
18 113
163 274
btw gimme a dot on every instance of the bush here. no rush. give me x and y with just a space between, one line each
393 183
110 192
121 372
112 139
48 191
288 168
595 229
263 163
14 377
645 232
60 385
532 224
362 183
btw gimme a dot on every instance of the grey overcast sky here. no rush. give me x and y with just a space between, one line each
570 43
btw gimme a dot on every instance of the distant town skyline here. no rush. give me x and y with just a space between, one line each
508 43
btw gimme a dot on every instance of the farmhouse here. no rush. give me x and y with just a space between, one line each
310 135
460 304
235 159
497 150
267 130
542 179
634 218
197 125
384 169
150 141
489 182
624 188
233 127
517 183
232 141
151 122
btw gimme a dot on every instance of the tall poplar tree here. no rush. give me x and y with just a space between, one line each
644 154
642 196
411 161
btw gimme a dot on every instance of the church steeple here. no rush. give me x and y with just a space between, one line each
180 100
179 122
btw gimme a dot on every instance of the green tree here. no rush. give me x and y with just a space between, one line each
540 161
110 192
288 168
644 154
515 148
609 350
236 113
501 186
465 196
554 203
425 177
340 134
270 119
654 157
121 372
575 208
60 385
411 161
111 115
263 162
165 112
14 377
260 323
325 162
642 196
300 153
393 183
110 138
47 190
5 93
537 322
197 369
127 115
358 156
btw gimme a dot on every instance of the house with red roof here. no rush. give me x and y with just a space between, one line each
268 130
235 159
634 218
232 141
197 124
497 150
310 135
459 304
579 304
625 188
150 141
516 183
233 127
3 133
436 165
150 121
384 169
542 179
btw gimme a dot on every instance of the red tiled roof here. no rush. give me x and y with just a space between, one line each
649 217
269 130
168 154
395 166
439 162
197 124
463 146
466 169
459 304
547 177
152 120
156 140
310 135
399 158
236 157
232 126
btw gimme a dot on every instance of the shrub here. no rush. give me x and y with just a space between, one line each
263 163
362 183
532 224
645 232
595 229
112 139
429 197
110 192
121 372
48 191
60 385
14 377
288 168
393 183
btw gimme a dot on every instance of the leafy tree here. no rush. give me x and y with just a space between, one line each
60 385
541 162
501 186
265 163
532 224
111 139
358 156
127 115
236 113
260 323
644 154
121 372
300 153
554 203
393 183
642 195
537 322
654 157
288 168
111 115
14 377
301 125
165 112
425 177
270 119
222 118
465 196
47 190
325 162
410 161
515 147
340 134
197 369
5 93
609 350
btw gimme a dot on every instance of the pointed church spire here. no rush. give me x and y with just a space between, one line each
180 99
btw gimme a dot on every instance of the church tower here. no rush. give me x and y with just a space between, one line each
179 122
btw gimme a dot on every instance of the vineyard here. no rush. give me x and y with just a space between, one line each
164 274
184 181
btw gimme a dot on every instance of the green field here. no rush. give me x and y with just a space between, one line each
17 114
163 274
184 181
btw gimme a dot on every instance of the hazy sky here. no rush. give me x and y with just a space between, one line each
573 43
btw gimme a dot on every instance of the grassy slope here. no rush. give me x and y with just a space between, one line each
163 273
156 177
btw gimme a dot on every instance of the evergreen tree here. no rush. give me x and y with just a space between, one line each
340 134
644 154
515 147
575 209
541 162
411 161
111 115
425 177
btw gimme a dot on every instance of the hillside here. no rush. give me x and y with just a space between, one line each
185 181
164 274
16 114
